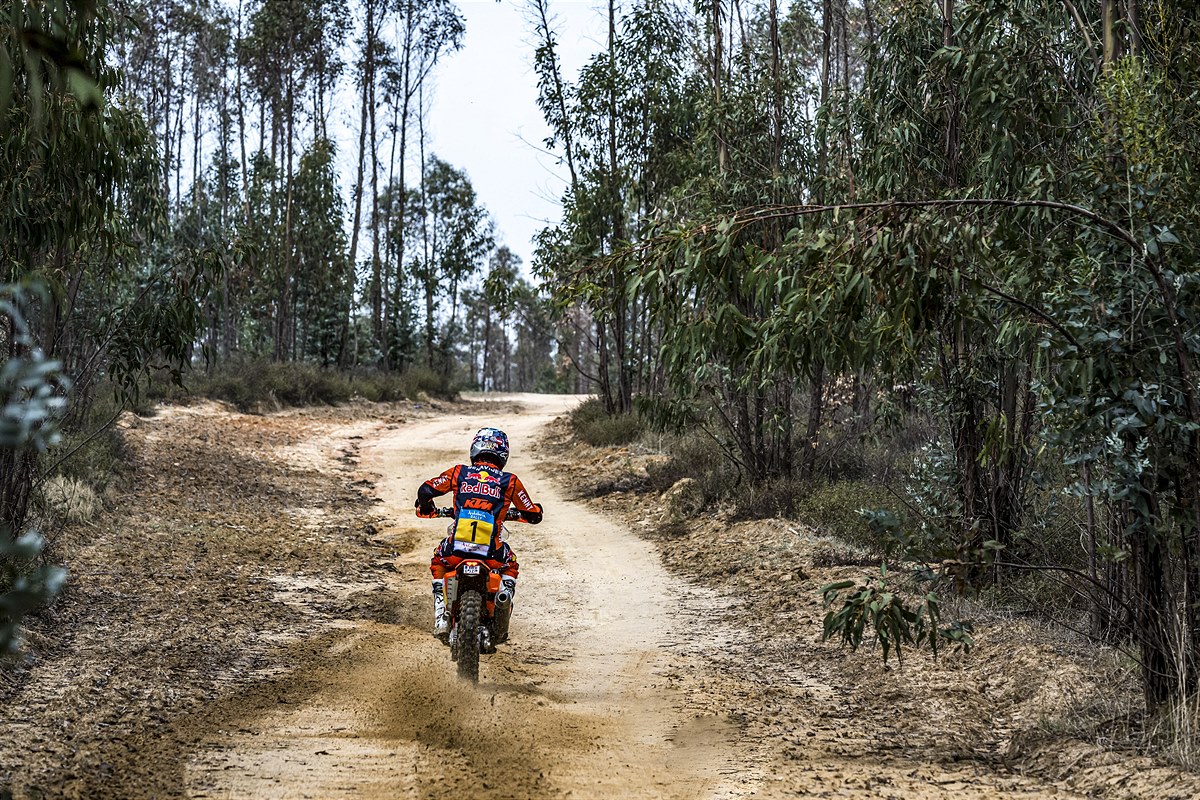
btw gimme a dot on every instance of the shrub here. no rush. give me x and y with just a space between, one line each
833 509
598 428
412 384
778 498
91 450
694 455
254 385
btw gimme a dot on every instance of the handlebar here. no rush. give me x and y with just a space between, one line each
513 514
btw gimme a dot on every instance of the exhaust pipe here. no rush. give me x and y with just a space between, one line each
508 588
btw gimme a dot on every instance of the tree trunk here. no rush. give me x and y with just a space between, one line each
487 346
178 160
812 429
197 182
431 279
623 402
1108 19
951 148
376 277
823 97
1154 638
776 100
1133 28
718 70
368 78
289 272
603 374
168 92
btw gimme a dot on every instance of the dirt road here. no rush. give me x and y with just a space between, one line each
586 701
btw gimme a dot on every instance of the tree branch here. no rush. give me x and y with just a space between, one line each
1032 310
1087 37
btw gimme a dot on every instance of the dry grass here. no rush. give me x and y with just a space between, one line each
1177 731
70 501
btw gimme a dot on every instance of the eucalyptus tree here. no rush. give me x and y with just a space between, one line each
1075 263
82 193
997 96
290 47
323 272
425 31
210 34
554 245
372 48
509 341
456 234
553 89
493 309
532 363
1008 228
1130 399
620 125
207 224
673 122
401 43
258 261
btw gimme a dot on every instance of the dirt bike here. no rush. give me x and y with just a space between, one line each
479 608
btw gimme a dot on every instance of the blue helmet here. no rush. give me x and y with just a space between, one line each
490 444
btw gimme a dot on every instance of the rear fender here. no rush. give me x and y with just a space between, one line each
472 574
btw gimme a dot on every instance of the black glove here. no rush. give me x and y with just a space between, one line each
425 505
535 516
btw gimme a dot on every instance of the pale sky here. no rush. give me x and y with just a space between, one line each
485 119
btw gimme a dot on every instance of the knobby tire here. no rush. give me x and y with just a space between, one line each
470 610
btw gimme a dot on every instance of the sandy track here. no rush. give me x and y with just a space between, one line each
585 701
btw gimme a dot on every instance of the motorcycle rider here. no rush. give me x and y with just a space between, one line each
483 493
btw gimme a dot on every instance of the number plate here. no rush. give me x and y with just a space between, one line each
474 527
470 569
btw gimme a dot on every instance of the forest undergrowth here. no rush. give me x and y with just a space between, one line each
263 385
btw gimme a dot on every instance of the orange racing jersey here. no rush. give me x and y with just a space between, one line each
482 495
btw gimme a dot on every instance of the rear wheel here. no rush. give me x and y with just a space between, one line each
470 609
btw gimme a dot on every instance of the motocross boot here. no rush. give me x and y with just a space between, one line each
441 617
504 607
